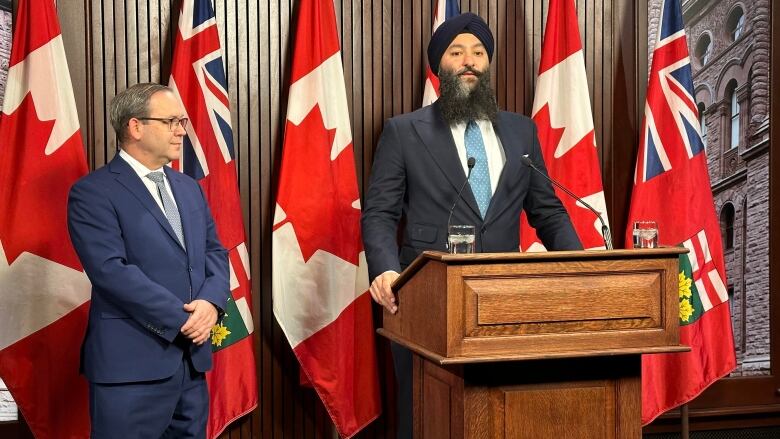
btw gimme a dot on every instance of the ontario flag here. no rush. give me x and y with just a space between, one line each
563 117
198 79
672 187
320 276
442 10
44 293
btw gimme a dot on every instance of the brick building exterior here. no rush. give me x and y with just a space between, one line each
729 45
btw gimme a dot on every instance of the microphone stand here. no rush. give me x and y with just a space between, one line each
604 228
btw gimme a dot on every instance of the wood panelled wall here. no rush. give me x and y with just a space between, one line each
115 43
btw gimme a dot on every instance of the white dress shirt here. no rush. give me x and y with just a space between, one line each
493 149
142 172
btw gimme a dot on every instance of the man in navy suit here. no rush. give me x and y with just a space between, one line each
422 160
146 238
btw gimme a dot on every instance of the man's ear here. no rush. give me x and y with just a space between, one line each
135 129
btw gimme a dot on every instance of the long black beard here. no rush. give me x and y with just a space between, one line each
459 104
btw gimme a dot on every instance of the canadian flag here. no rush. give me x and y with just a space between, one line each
320 276
44 293
563 117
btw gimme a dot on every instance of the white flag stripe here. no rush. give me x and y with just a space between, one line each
705 299
246 314
598 202
39 292
705 247
244 255
561 100
303 314
234 283
324 86
694 260
660 150
717 283
52 92
429 93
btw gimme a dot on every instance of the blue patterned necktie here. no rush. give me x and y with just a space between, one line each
171 212
480 175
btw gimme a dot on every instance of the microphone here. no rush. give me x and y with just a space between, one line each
604 229
470 163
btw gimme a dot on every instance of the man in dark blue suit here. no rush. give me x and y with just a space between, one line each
146 238
422 160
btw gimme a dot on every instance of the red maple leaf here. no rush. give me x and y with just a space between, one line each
549 136
578 170
317 193
34 187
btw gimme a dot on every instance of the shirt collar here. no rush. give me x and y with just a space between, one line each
137 166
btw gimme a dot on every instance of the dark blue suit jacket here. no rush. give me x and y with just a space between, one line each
417 173
141 276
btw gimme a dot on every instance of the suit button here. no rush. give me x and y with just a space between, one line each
190 269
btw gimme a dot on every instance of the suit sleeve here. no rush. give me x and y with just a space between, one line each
216 286
545 211
384 204
97 238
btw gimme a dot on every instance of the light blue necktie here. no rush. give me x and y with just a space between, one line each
171 212
480 175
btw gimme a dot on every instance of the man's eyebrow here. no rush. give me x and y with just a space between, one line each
462 46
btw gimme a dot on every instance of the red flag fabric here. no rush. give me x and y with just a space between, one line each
45 294
563 117
320 276
443 10
672 187
198 79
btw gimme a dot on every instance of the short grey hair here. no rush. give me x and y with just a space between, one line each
132 102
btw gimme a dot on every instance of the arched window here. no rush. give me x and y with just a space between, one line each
736 23
704 49
732 308
727 226
702 124
731 92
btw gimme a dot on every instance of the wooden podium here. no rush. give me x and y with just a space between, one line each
534 345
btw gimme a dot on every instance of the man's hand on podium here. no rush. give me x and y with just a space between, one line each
382 293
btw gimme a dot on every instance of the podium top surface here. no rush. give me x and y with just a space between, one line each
519 257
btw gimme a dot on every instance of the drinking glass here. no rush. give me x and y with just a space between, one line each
645 234
460 238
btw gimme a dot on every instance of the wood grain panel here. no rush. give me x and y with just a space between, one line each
531 300
579 410
115 43
436 416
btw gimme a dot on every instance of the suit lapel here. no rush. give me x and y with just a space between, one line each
127 177
510 142
182 203
437 139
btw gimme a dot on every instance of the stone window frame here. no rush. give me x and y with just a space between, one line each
727 219
731 28
701 108
704 56
737 70
733 114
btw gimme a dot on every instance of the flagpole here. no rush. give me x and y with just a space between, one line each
684 421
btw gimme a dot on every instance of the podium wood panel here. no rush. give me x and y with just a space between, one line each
517 345
599 398
518 305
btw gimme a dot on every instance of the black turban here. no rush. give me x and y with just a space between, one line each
467 23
